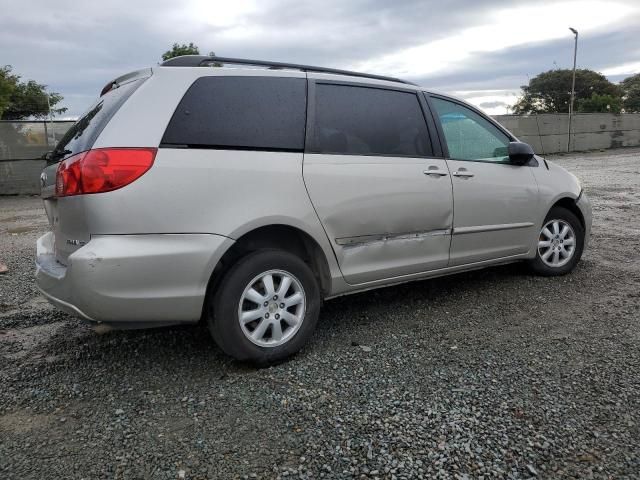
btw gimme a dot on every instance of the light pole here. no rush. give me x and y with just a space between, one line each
53 132
573 87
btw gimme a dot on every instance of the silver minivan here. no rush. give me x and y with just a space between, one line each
244 193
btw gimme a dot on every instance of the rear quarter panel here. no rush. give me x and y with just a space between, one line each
221 192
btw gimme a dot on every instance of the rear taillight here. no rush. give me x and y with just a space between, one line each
102 170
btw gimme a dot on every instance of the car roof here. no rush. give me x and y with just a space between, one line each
208 61
239 66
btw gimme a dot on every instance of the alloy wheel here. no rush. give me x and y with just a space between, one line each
272 308
557 243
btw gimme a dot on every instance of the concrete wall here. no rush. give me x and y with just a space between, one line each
20 177
22 143
20 174
547 133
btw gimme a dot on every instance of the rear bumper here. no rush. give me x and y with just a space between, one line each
129 281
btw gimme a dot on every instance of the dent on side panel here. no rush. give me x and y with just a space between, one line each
384 217
123 279
376 196
393 256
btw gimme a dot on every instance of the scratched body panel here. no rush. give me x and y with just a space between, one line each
383 215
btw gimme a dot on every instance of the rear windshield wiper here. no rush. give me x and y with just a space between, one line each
54 155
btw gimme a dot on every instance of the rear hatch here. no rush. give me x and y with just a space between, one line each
66 215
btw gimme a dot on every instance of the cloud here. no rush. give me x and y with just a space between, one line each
501 30
624 69
454 46
492 104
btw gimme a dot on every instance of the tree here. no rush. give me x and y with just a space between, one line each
7 86
19 100
182 49
631 93
600 103
550 92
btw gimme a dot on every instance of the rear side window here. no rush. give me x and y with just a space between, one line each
356 120
261 113
83 134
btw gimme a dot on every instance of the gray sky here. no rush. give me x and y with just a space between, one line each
482 50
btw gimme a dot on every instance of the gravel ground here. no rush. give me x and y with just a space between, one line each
494 373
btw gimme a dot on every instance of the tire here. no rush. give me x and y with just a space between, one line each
260 340
561 217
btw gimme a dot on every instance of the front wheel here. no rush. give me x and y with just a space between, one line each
265 308
560 243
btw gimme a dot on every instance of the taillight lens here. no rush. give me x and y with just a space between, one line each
102 170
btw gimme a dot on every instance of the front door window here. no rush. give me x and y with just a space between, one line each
469 136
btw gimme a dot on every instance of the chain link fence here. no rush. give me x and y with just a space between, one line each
22 144
29 140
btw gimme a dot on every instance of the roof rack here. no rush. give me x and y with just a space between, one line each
204 60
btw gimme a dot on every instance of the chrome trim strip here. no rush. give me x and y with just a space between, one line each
490 228
383 237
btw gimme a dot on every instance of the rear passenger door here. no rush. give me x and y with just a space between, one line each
383 194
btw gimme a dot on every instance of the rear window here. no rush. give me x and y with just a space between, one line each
261 113
83 134
356 120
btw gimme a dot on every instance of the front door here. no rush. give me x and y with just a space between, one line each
495 202
384 199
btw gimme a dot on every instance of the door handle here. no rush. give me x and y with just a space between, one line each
462 173
433 170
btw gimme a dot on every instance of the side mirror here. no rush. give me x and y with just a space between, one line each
520 153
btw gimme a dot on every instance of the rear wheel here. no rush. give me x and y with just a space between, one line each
265 308
560 243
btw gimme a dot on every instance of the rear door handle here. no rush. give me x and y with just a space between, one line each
462 173
433 170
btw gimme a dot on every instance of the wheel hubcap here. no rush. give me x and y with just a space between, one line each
557 243
272 308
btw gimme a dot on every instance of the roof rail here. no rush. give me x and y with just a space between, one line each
204 60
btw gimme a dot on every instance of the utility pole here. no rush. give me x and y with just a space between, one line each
53 132
573 87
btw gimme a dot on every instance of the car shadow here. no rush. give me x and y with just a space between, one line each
403 297
189 349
